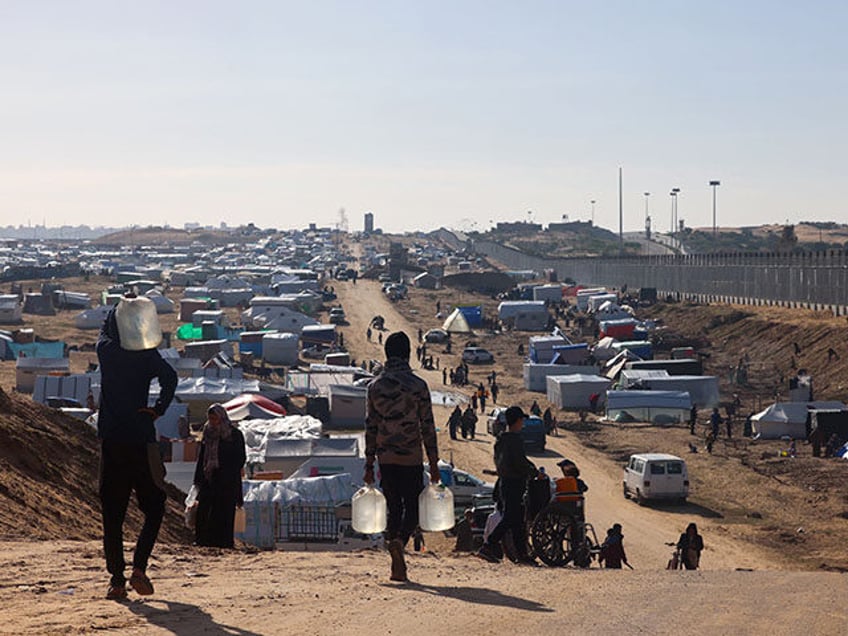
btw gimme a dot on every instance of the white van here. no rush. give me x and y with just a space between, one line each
656 476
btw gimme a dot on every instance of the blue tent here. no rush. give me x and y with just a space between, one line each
473 315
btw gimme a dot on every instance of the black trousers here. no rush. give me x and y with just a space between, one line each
512 496
124 468
401 486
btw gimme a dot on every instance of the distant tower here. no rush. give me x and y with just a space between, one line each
369 222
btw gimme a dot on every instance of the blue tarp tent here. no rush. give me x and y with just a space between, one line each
473 315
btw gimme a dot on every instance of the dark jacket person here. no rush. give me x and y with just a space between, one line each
218 479
130 458
514 469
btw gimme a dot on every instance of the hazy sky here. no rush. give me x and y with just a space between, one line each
426 113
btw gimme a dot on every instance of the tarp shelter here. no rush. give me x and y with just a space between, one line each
280 348
260 433
210 389
39 304
205 350
71 300
573 391
595 302
11 309
641 348
703 389
659 407
92 318
15 350
541 349
620 329
571 354
456 323
473 314
830 423
674 367
603 350
524 315
347 406
425 280
535 375
163 305
788 419
75 387
27 369
318 334
253 406
548 293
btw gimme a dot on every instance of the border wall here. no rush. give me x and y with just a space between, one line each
814 280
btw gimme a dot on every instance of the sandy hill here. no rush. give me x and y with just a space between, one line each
48 477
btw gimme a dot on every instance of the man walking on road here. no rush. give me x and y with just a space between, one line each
514 469
398 421
130 458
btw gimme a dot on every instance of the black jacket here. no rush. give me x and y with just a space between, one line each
125 385
510 459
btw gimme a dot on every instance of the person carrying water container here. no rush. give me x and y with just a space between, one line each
129 455
398 421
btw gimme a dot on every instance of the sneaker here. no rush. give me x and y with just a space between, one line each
526 560
486 554
398 563
116 592
140 583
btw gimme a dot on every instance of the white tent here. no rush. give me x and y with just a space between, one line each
573 391
456 323
659 407
347 406
535 375
788 419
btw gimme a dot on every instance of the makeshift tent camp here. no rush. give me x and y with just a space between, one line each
70 300
456 323
573 391
659 407
603 350
788 419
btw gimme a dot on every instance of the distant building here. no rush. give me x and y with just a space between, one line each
369 223
519 227
569 226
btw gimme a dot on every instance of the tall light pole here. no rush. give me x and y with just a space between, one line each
593 211
674 193
714 184
647 217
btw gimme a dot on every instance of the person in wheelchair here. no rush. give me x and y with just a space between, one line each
570 489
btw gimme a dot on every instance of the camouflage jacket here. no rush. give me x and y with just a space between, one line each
399 418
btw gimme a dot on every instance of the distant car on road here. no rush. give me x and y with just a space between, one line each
436 336
496 422
477 355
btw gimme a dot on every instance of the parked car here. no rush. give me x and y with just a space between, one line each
436 336
462 484
534 434
384 278
656 476
337 316
496 422
477 355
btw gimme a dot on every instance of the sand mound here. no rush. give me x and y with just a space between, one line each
48 477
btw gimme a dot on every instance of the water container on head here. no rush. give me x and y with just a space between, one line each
368 510
435 509
138 324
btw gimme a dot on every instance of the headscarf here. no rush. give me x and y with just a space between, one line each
212 435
